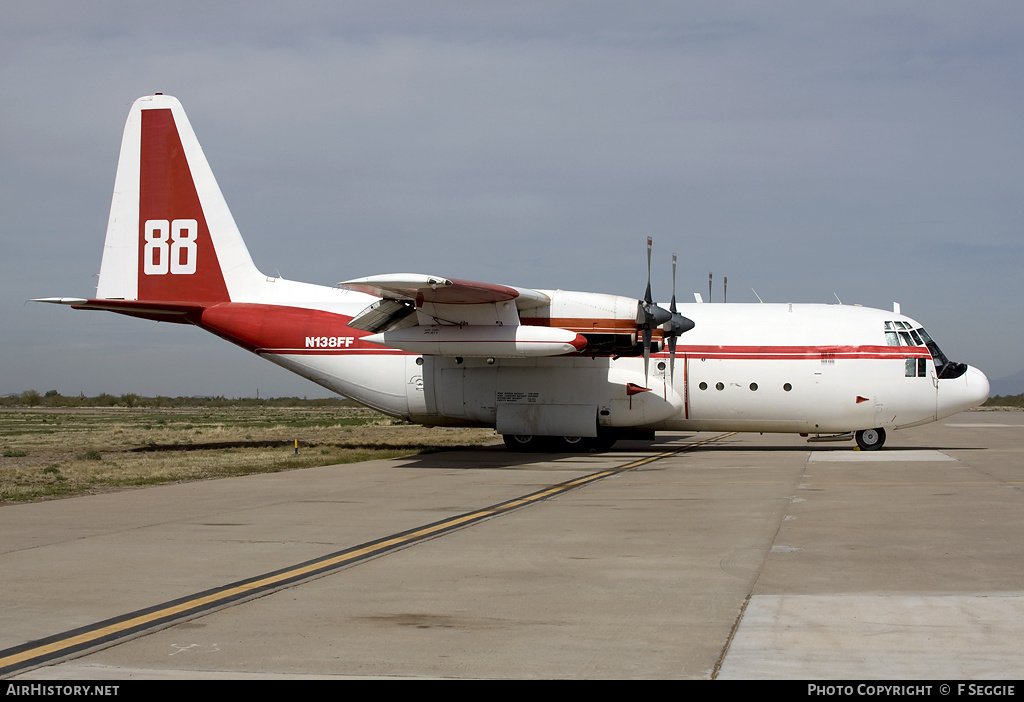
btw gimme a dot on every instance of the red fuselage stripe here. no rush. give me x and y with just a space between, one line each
788 353
279 329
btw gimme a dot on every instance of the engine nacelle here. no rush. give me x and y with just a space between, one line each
477 340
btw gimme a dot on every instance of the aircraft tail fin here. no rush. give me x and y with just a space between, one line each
170 237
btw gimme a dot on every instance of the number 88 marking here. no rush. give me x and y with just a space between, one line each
170 247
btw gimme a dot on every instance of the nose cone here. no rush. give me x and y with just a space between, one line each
978 383
958 394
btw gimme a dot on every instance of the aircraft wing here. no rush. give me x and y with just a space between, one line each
419 288
449 317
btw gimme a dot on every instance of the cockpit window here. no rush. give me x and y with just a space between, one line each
944 368
908 337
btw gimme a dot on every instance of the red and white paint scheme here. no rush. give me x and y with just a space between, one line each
546 368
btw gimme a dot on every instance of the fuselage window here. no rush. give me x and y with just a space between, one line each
703 386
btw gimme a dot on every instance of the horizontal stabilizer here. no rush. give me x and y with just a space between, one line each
146 309
61 300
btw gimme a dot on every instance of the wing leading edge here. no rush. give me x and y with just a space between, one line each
421 289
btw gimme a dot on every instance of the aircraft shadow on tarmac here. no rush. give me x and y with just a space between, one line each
620 447
841 448
498 457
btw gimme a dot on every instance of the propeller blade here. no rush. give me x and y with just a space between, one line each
672 339
647 295
671 360
672 307
647 352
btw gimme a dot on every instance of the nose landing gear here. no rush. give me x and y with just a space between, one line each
870 439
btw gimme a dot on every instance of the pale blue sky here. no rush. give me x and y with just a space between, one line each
870 150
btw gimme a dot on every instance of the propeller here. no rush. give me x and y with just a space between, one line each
650 315
675 326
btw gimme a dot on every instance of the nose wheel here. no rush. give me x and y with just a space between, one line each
870 439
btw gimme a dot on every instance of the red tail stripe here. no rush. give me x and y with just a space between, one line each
167 192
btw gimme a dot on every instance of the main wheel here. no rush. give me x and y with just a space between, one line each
870 439
526 442
572 444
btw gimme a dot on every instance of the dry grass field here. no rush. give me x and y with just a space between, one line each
49 452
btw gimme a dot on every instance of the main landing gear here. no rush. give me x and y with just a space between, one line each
557 444
870 439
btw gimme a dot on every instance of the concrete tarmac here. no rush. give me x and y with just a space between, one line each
749 557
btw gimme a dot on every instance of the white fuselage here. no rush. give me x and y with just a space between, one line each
748 367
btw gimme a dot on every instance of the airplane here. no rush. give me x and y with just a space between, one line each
551 370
